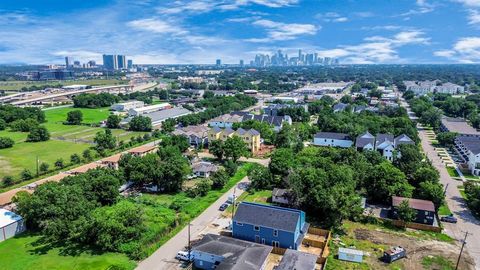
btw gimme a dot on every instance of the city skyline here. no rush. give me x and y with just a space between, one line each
201 31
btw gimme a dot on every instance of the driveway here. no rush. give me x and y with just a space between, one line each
466 221
164 257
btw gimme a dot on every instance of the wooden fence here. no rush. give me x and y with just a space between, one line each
416 226
278 250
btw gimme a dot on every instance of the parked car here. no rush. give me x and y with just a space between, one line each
223 207
183 256
449 219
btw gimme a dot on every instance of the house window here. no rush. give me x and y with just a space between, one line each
256 228
263 241
275 232
426 213
239 224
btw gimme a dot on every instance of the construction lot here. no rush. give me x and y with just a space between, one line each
425 250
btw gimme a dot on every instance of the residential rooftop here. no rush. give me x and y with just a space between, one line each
458 125
297 260
281 218
416 204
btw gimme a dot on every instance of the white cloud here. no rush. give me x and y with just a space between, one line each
156 26
469 3
465 50
474 16
278 31
331 17
422 7
205 6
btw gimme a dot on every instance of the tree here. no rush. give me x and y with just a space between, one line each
26 175
282 161
140 123
219 179
410 159
431 191
105 140
235 148
405 213
113 121
7 181
87 155
446 139
288 137
24 125
203 187
216 148
59 163
472 191
425 173
3 124
44 167
169 125
6 142
115 225
74 117
38 134
260 178
385 181
431 117
75 159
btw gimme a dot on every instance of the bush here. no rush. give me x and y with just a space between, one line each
44 167
74 117
231 167
140 123
75 159
8 181
113 121
24 125
38 134
26 175
3 124
59 163
6 142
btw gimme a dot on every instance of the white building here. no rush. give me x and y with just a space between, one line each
126 106
468 146
332 139
148 109
450 88
11 224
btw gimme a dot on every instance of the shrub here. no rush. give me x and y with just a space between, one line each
26 175
44 167
8 181
38 134
6 142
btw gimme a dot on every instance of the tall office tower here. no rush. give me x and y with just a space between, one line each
241 63
92 63
218 62
110 62
315 58
121 62
68 61
130 63
76 63
326 61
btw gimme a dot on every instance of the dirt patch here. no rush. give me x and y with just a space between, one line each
416 249
6 167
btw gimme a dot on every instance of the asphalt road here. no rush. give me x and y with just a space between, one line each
466 221
164 257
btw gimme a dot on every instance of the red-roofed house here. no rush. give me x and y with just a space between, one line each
425 209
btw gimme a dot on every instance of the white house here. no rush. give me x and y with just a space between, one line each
384 143
225 121
11 224
332 139
365 141
204 169
468 146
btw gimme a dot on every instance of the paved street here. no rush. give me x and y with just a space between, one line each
457 205
164 257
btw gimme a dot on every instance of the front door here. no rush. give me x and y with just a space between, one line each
257 239
275 244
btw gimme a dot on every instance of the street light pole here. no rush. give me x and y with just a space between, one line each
461 249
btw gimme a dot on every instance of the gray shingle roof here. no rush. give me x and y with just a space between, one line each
280 218
381 138
297 260
204 167
403 139
365 139
472 143
238 254
332 135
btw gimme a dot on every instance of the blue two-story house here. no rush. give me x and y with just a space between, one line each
269 225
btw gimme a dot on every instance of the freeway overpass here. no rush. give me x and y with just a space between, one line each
19 99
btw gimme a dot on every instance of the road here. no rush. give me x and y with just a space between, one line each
466 221
164 257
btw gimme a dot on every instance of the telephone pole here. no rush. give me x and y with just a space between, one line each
461 249
37 167
189 244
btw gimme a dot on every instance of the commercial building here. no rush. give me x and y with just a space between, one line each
121 62
148 109
226 253
11 224
425 87
110 62
269 225
250 137
425 209
126 106
332 139
68 61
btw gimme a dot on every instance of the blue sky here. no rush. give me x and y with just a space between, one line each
200 31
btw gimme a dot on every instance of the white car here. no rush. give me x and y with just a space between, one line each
183 256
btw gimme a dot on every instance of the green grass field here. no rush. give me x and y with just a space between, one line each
65 140
23 252
17 85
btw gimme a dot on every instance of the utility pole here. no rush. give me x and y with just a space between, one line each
461 249
37 166
445 191
233 204
189 244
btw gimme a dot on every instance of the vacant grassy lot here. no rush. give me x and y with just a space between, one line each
17 85
65 140
24 252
